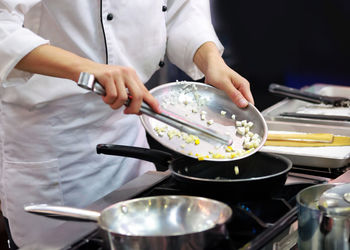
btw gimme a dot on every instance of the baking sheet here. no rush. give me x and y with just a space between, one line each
298 106
323 157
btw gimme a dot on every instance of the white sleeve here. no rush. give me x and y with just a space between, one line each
15 40
188 27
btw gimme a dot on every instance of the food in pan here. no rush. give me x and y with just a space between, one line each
189 103
250 142
210 122
236 169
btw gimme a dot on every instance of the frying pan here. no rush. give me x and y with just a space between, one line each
158 222
261 173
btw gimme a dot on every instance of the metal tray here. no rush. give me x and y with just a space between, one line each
274 112
322 157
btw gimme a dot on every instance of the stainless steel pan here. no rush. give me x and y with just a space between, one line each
159 222
201 104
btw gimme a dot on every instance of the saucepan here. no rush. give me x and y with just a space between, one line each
323 223
259 174
158 222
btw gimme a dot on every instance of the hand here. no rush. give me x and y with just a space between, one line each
119 81
218 74
226 79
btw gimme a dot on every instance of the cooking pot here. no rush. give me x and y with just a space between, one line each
259 174
158 222
317 227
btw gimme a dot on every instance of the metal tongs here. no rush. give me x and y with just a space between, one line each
87 81
308 96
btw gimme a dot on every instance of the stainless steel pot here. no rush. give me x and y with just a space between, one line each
317 228
159 222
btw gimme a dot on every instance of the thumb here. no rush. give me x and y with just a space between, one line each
151 101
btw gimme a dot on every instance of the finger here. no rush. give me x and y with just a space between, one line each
137 97
244 88
111 91
150 100
237 97
233 93
122 95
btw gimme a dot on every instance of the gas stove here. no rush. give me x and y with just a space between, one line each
259 223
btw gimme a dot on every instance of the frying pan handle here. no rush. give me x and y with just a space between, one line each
295 93
152 155
63 213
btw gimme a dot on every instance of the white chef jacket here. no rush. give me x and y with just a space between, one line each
49 127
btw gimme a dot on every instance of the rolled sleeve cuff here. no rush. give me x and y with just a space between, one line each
13 48
182 48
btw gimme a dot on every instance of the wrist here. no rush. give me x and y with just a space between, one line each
80 65
207 56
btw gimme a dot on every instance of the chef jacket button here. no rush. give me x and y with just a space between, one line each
110 17
164 8
161 64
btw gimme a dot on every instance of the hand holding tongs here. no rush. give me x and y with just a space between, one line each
308 96
87 81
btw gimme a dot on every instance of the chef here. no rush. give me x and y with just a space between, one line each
49 127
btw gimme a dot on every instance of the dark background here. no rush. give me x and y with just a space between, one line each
295 42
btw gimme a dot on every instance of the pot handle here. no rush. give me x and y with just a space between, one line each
63 213
152 155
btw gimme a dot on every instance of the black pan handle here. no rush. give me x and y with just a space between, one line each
295 93
316 116
308 96
152 155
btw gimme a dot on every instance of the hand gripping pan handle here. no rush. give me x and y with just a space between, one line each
87 81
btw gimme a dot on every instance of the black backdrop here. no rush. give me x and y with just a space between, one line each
293 42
